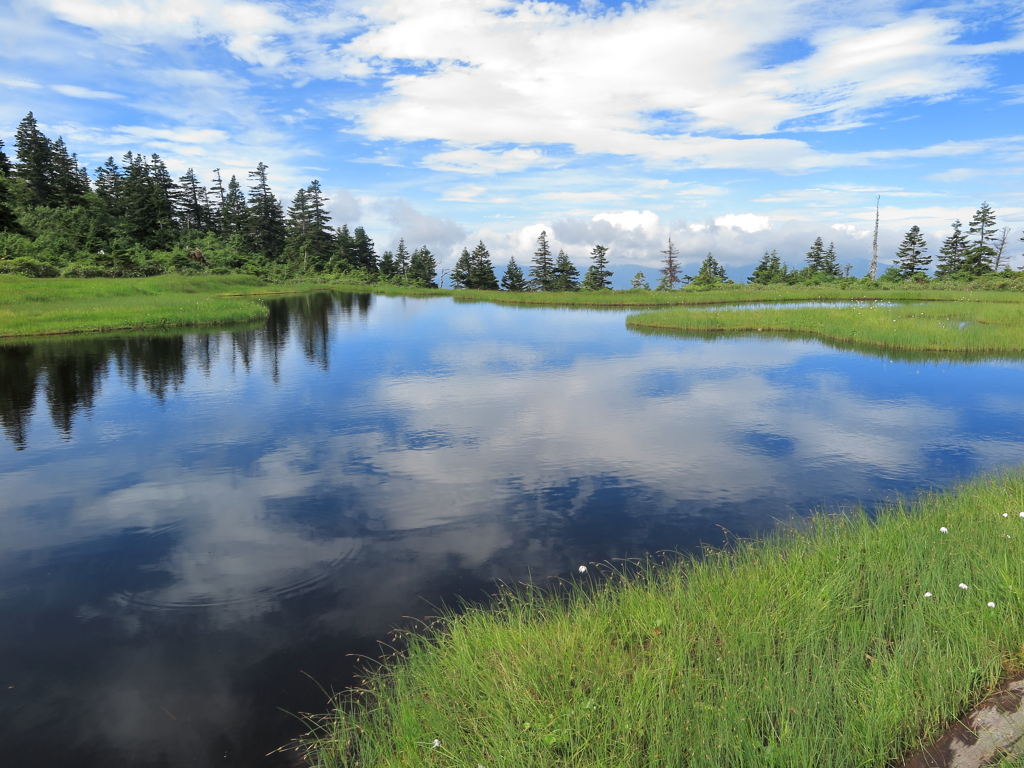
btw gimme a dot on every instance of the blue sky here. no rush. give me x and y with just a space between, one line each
733 126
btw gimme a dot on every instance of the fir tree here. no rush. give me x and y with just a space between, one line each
481 270
193 205
639 282
670 272
401 257
297 229
565 275
979 257
769 270
320 240
514 280
542 273
5 162
462 272
422 268
8 219
265 233
109 181
68 184
710 273
35 162
234 213
386 266
951 254
344 251
910 259
816 259
363 254
829 264
597 277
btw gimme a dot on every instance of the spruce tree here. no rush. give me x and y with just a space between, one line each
639 282
297 229
816 259
951 254
910 259
829 264
109 180
386 266
481 270
542 273
670 272
514 280
193 205
422 268
320 241
344 257
711 273
462 272
401 257
266 232
234 213
597 277
5 162
363 254
979 257
565 275
35 162
769 270
8 219
69 186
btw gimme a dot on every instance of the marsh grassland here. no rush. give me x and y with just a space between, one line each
845 642
32 306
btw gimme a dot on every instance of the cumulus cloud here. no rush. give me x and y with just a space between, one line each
438 234
748 222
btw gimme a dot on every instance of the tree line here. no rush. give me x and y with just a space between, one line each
135 219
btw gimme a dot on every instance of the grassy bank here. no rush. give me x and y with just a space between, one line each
31 306
972 323
816 647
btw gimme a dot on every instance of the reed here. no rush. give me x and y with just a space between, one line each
848 641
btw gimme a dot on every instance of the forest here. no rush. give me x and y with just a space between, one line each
134 219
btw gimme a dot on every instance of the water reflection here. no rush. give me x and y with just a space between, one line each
205 520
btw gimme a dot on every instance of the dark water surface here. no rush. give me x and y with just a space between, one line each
196 530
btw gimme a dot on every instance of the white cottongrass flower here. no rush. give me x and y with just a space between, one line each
991 605
436 744
1021 514
963 586
1005 514
927 594
583 569
943 529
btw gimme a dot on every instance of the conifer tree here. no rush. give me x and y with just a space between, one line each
320 240
363 254
265 233
670 272
8 219
979 257
401 257
5 162
35 162
215 198
769 270
639 282
422 268
297 229
565 275
386 266
193 205
514 280
344 257
69 184
951 254
597 277
710 273
542 273
816 258
829 264
481 270
109 181
234 213
910 259
462 272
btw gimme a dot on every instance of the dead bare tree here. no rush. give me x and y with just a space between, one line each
1001 246
874 245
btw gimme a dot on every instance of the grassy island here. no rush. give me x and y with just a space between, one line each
845 642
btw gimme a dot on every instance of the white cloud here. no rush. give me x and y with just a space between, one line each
78 92
748 222
646 220
481 161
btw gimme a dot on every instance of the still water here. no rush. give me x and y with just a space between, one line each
197 531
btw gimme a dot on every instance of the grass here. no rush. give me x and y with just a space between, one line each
33 306
813 647
970 324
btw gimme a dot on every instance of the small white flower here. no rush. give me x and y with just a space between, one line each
1021 514
436 744
943 529
1005 515
963 586
927 594
583 569
991 605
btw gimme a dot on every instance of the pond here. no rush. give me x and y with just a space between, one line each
198 531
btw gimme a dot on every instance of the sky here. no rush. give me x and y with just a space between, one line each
733 127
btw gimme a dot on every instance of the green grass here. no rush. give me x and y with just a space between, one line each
33 306
970 324
814 647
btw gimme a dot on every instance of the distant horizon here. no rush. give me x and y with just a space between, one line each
735 130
